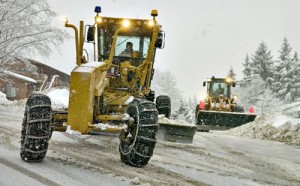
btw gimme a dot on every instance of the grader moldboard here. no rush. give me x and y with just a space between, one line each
114 90
218 109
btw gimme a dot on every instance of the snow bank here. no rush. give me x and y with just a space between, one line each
19 105
275 126
3 100
72 132
59 97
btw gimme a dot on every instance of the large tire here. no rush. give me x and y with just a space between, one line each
36 128
163 105
237 108
138 141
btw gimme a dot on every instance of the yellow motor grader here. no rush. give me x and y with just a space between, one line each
218 109
114 91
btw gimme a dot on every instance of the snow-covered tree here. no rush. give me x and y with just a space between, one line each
247 67
286 73
262 62
296 70
164 83
254 92
231 73
26 30
185 112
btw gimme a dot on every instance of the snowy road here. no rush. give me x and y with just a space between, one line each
213 158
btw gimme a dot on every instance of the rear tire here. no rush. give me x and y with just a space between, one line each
163 105
138 141
36 128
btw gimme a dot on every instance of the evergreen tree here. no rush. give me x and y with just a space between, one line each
255 93
231 73
185 113
295 91
247 67
285 74
262 62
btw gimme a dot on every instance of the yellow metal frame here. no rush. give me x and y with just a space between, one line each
88 84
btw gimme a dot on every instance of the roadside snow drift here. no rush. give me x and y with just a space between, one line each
276 127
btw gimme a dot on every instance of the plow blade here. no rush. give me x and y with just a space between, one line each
176 132
218 120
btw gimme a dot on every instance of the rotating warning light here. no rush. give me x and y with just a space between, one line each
98 9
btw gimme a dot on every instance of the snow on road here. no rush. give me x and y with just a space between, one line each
216 158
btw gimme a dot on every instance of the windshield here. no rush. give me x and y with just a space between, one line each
218 88
132 44
139 46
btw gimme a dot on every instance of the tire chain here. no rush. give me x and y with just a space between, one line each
36 128
141 150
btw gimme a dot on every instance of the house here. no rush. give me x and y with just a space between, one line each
22 78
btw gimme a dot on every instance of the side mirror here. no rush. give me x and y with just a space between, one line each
90 34
160 40
204 83
233 84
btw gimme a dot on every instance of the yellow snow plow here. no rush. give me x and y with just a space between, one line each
218 109
110 94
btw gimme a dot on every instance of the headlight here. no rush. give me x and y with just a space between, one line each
235 97
98 19
151 23
126 23
229 80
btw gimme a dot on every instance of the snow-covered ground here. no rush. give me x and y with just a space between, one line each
230 157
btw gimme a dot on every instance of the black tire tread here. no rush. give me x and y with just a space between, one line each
163 105
36 128
141 150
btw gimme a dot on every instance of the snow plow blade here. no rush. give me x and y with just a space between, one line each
218 120
176 133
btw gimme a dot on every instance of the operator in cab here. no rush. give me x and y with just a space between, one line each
128 50
219 90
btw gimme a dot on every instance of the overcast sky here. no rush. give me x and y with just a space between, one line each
203 37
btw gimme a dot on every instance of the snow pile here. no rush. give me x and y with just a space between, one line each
20 104
3 100
163 119
72 132
292 110
129 100
275 126
59 97
103 126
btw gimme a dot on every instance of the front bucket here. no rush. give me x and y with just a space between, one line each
218 120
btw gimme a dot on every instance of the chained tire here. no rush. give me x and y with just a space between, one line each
138 141
36 128
163 105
